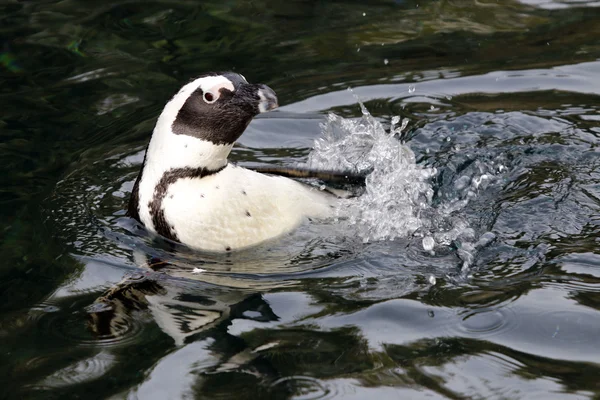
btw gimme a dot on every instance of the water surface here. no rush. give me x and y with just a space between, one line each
470 268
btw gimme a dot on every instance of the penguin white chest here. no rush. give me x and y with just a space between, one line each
237 208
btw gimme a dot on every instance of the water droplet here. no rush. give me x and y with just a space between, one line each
448 97
432 280
358 50
364 14
386 61
411 89
404 124
428 243
395 120
364 110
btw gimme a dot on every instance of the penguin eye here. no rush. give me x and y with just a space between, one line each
209 97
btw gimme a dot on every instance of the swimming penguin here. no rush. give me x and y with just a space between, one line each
186 190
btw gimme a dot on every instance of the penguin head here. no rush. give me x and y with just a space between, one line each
221 106
199 125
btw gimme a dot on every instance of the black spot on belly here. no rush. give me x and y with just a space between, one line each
171 196
202 195
244 193
248 214
217 187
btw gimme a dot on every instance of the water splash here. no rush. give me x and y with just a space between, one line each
397 189
398 197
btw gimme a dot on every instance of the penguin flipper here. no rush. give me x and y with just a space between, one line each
330 176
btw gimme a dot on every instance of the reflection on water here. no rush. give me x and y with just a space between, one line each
468 269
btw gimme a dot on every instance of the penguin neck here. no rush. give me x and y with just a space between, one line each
168 151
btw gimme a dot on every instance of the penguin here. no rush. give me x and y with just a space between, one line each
187 191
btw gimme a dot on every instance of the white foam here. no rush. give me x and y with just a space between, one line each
397 201
397 189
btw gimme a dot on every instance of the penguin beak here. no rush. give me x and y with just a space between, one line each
268 99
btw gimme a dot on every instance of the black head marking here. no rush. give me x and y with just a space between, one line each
227 248
133 209
222 118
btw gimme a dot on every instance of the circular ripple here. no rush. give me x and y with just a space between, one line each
79 372
107 328
305 387
485 322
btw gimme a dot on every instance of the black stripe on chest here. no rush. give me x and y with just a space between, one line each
157 212
133 209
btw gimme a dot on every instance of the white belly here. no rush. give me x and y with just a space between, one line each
238 208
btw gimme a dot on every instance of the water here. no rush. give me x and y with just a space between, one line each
468 268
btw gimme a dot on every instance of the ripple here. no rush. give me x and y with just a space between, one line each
485 322
305 387
107 328
79 372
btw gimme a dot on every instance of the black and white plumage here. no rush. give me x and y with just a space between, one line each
187 192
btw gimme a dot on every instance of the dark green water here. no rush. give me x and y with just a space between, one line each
506 86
